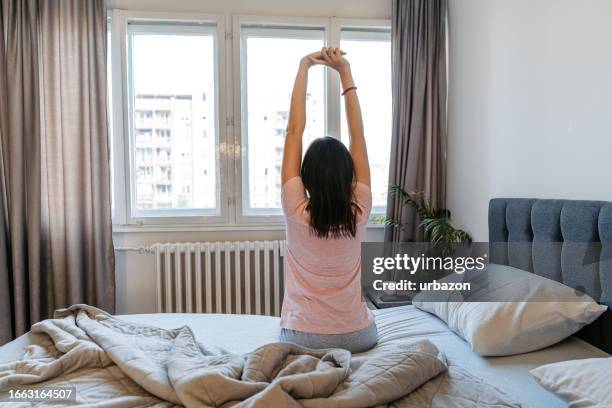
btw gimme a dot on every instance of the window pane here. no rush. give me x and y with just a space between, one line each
374 87
272 58
174 134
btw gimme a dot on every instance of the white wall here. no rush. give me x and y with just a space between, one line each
135 273
530 103
376 9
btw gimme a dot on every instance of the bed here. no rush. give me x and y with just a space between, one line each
509 374
510 220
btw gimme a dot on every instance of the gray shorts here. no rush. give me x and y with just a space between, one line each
355 342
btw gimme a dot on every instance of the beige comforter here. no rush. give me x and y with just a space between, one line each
120 364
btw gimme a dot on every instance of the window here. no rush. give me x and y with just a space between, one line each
172 109
374 82
270 58
193 144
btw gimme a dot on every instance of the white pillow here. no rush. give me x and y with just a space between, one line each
580 383
542 311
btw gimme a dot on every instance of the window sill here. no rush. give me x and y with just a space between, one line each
129 228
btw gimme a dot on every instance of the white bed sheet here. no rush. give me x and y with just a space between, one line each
510 374
242 333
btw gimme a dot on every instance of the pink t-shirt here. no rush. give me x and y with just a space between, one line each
323 276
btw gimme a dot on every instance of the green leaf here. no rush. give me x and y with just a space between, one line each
435 223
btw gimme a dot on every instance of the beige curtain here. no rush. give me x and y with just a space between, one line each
55 160
418 149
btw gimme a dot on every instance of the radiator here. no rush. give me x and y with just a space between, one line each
244 277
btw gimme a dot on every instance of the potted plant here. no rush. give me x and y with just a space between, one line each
435 222
437 229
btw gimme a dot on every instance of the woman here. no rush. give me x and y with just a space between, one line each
326 201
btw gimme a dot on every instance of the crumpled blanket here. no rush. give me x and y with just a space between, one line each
114 363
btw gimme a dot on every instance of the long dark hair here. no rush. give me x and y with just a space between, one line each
328 174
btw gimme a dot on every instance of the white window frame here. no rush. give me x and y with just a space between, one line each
260 216
334 87
371 29
230 119
182 23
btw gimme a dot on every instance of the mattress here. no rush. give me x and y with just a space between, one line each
242 333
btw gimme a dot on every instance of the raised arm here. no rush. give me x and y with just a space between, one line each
292 156
359 152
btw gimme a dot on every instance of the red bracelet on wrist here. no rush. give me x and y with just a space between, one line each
350 88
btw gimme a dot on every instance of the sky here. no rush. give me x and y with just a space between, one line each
162 65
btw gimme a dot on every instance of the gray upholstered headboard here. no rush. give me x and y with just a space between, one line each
565 240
